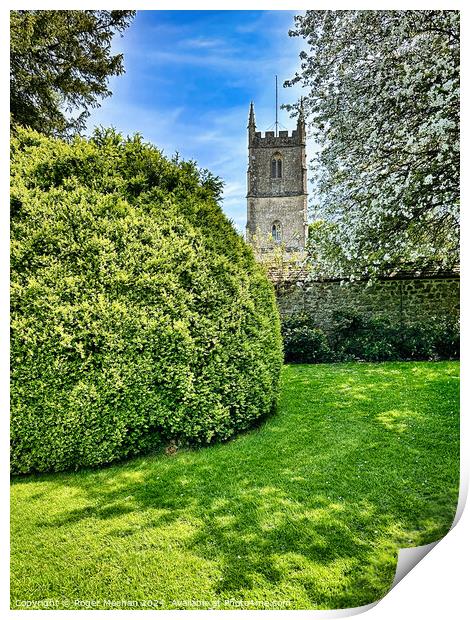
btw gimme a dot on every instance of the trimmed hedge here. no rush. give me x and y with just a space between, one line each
139 315
353 336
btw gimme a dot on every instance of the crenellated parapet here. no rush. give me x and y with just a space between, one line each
270 140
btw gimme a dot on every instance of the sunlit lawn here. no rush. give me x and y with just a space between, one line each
306 511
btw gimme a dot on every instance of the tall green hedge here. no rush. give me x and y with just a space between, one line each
138 313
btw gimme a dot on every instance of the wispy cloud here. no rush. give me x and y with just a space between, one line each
190 76
204 43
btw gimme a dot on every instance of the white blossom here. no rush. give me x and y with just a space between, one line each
382 100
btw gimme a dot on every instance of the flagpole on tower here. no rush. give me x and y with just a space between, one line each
276 110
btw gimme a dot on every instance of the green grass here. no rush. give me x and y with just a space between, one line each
306 511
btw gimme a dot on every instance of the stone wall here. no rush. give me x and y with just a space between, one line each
414 299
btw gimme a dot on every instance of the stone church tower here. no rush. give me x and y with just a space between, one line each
277 187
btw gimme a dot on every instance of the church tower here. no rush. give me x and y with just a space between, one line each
277 187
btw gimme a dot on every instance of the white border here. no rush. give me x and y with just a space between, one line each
436 587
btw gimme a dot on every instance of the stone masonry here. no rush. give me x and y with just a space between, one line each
277 187
411 299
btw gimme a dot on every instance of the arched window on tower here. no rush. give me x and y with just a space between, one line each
276 166
277 232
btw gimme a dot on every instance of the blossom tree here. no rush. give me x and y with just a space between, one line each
382 102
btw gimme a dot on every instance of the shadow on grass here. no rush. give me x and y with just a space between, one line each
313 504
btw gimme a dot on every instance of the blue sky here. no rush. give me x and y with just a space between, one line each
190 76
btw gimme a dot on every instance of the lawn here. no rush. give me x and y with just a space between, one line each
306 511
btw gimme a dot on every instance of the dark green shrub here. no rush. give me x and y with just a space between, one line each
138 313
415 341
381 338
447 339
303 342
354 336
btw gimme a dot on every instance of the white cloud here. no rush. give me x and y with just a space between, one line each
204 43
213 136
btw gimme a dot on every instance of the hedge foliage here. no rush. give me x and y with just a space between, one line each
139 315
352 336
